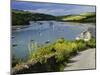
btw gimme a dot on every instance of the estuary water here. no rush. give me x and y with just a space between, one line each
42 31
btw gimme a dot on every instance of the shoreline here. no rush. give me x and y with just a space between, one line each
18 27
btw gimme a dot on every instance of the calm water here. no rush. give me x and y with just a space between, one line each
42 31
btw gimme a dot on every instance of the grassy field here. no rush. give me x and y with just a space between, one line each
84 17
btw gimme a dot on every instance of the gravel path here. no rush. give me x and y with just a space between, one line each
84 60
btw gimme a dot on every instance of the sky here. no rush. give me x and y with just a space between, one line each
52 8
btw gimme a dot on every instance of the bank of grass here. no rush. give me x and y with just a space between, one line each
89 17
62 49
91 43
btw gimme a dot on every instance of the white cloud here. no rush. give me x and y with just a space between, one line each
64 11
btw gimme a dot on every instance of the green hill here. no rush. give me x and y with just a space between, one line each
84 17
20 17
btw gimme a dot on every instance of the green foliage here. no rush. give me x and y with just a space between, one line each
20 17
62 52
81 45
62 40
91 43
53 57
65 50
23 17
16 61
84 17
40 54
62 48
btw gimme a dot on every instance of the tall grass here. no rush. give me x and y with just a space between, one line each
91 43
16 60
63 48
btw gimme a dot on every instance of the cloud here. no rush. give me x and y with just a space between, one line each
64 11
49 11
52 8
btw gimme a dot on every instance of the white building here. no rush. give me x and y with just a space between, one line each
86 36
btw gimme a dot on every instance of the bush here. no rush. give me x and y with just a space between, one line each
91 43
41 53
81 45
64 50
61 51
61 40
74 48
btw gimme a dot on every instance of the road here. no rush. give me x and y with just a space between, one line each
84 60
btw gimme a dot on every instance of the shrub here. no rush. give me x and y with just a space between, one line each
41 53
61 40
74 48
91 43
64 50
81 45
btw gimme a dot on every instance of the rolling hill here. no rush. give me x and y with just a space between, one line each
20 17
84 17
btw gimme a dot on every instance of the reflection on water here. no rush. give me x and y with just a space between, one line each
44 31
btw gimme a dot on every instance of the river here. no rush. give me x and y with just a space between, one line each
43 31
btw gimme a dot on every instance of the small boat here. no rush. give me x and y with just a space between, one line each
18 28
41 23
13 37
14 45
48 41
31 40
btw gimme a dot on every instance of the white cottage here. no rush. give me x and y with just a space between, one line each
86 36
